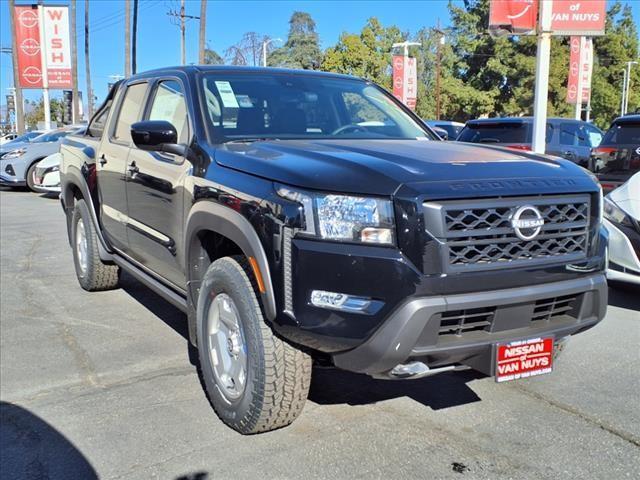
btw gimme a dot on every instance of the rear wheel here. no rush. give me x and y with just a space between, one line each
255 381
91 272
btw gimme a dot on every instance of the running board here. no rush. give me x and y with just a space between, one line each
161 289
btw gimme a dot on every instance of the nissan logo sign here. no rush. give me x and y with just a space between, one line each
527 222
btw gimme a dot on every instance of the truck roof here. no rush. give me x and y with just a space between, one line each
191 69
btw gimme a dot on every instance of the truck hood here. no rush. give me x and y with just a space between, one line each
382 167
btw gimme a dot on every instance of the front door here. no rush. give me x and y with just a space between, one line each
155 190
111 165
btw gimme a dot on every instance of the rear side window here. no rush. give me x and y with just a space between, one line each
169 104
511 132
623 133
571 134
129 112
96 127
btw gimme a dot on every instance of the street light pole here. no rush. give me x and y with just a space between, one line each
264 49
625 87
542 77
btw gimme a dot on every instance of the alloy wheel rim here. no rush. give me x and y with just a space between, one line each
81 247
227 347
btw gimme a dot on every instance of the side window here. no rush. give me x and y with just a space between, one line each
548 137
96 127
594 135
569 134
169 104
129 112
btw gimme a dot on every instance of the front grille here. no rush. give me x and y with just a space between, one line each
545 310
478 234
458 322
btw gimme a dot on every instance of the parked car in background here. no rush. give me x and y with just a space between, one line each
622 220
442 133
453 129
617 158
8 137
19 141
48 174
565 137
18 166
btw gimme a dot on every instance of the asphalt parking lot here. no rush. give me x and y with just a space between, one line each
100 385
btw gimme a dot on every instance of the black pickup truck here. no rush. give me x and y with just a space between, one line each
301 216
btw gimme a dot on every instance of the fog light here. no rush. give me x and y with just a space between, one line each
339 301
376 235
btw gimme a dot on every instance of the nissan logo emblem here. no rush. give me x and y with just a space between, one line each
527 222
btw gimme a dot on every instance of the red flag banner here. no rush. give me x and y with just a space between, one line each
28 46
405 80
578 17
580 64
513 16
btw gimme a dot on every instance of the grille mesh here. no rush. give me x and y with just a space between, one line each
482 237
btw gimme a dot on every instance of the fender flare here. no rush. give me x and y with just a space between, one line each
72 177
223 220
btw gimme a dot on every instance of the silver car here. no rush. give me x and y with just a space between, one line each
18 166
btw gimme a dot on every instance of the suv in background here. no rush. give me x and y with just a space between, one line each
566 138
453 129
617 158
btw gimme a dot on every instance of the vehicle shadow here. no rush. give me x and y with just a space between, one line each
331 386
624 295
165 311
31 449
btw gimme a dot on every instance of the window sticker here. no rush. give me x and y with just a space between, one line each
227 95
244 101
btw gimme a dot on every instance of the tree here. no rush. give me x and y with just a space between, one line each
302 48
248 51
211 57
36 111
612 51
366 55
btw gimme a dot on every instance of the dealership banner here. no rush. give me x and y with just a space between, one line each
43 45
513 16
578 17
405 80
580 70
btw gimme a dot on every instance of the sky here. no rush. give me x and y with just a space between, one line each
227 21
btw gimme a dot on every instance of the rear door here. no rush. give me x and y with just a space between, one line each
155 188
112 164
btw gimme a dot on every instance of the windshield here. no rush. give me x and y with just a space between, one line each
26 137
505 132
51 136
285 106
623 133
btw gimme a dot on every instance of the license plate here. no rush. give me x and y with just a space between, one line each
524 358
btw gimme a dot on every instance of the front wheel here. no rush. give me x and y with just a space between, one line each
31 179
256 382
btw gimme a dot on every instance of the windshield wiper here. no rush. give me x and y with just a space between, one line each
249 140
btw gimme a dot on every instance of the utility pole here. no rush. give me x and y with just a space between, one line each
203 28
87 66
16 74
440 35
75 111
127 38
134 64
542 77
182 25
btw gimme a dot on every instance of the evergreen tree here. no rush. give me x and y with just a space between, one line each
302 48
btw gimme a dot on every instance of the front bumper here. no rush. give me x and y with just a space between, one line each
6 180
413 331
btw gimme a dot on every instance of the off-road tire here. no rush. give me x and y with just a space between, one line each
278 374
98 275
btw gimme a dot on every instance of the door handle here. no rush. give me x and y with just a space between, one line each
133 168
102 160
568 153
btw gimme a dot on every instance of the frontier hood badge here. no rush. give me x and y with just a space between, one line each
527 222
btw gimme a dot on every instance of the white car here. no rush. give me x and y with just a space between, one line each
7 138
47 174
622 220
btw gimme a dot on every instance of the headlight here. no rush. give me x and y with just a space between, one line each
344 217
614 213
14 153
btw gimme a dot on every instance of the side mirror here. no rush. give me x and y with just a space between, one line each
156 135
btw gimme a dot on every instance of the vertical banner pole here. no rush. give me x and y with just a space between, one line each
45 79
542 77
